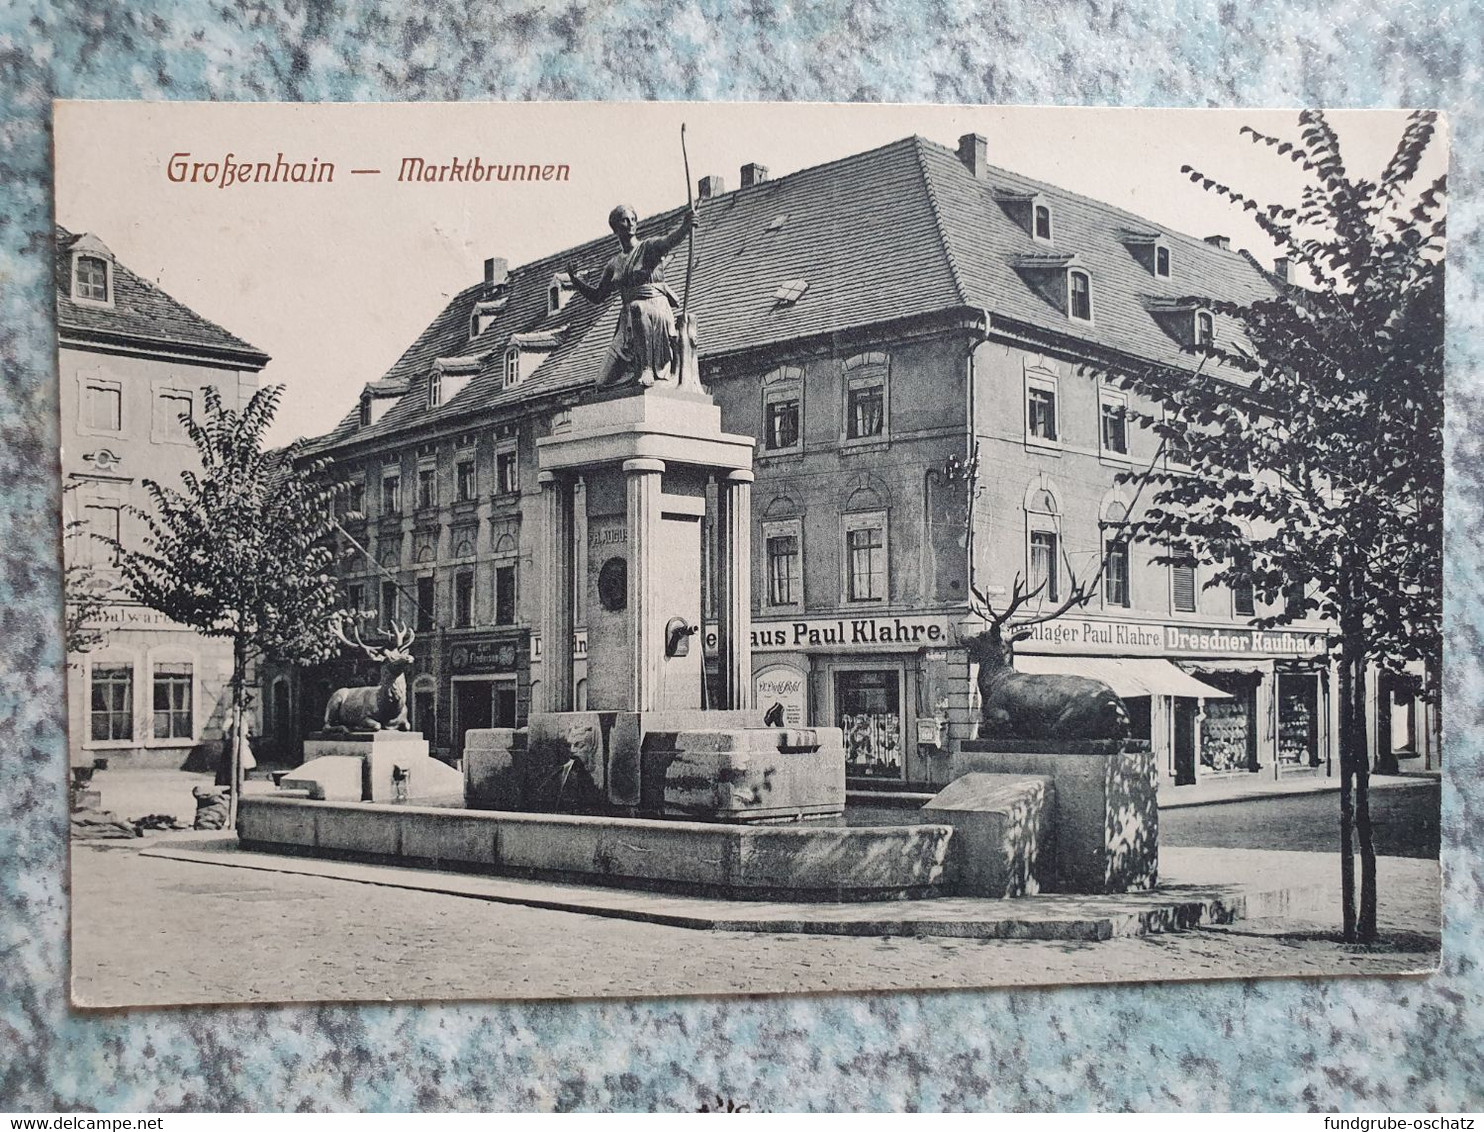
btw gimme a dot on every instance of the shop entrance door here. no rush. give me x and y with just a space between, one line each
1184 741
481 704
869 711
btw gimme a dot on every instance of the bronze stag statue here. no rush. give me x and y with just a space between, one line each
375 707
1021 705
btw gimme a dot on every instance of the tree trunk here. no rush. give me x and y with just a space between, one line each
1366 926
239 693
1347 800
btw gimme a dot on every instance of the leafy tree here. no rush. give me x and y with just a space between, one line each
1312 432
241 549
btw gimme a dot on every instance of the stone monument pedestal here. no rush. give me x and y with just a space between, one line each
372 766
1104 814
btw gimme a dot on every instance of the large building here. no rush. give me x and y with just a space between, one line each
924 346
132 362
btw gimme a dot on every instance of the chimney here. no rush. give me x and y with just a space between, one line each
1281 268
1222 242
753 174
710 186
496 272
973 151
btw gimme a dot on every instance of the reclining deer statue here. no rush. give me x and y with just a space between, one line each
375 707
1022 705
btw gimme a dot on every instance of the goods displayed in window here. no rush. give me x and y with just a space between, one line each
1298 721
1227 734
869 712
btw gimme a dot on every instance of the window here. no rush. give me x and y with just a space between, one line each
465 480
1040 413
388 602
365 412
172 699
865 411
1205 328
512 366
1115 572
782 428
865 557
1162 261
1182 586
784 585
463 599
355 498
105 406
427 487
391 495
171 405
426 596
92 279
1079 295
435 389
1243 598
1043 565
103 531
507 473
1042 222
505 595
866 404
355 597
112 703
1113 423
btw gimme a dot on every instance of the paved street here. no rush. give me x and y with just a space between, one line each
151 931
1405 818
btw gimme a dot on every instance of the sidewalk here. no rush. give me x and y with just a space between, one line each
1216 792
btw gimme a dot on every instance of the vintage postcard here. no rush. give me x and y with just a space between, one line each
573 550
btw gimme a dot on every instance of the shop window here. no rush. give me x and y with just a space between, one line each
1182 586
505 579
868 711
426 596
427 487
172 701
865 396
463 599
785 562
507 472
391 495
90 279
104 401
1298 719
1043 555
865 557
1113 422
1229 729
111 696
1116 572
464 485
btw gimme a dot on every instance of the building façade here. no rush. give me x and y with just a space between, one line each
133 361
925 347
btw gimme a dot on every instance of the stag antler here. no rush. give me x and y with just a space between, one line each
355 624
1079 595
399 630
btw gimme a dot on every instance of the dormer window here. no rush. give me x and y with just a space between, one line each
558 292
1079 296
1162 261
92 279
1041 221
512 367
365 412
1205 329
435 389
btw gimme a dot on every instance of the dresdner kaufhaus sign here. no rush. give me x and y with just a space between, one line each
1131 638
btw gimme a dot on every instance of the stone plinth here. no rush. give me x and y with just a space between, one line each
744 774
373 766
1002 838
1105 814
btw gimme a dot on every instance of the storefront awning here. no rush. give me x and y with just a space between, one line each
1134 676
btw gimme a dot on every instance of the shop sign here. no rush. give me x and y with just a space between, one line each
781 693
133 617
1130 638
483 656
868 633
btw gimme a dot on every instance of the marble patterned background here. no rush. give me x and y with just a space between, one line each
1349 1044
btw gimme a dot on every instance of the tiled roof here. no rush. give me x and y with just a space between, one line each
141 311
900 232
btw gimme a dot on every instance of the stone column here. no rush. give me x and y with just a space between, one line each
734 607
556 594
642 490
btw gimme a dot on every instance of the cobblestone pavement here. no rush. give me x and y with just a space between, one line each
152 931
